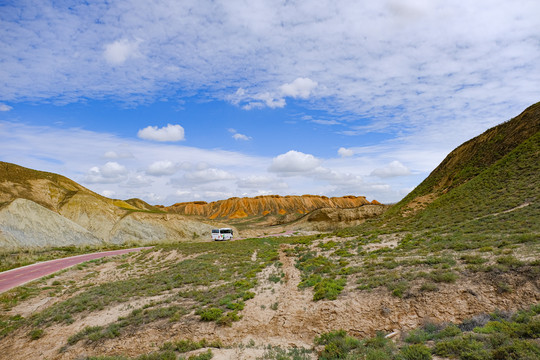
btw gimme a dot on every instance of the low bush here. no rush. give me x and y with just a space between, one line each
415 352
328 289
337 344
211 314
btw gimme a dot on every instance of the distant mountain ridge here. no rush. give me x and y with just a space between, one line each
41 209
52 191
238 208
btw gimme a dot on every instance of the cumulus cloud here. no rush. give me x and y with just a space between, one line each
294 162
166 133
299 88
208 175
117 155
258 101
4 107
241 137
117 52
395 168
260 183
162 167
237 136
112 169
108 193
137 181
344 152
111 172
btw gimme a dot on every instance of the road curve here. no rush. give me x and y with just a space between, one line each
15 277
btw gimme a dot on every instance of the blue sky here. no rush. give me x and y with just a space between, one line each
202 100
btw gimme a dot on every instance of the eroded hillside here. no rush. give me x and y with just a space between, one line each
238 208
472 158
95 219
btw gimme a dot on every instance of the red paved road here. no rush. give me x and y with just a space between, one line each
12 278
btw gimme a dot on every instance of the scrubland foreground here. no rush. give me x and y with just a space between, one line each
471 297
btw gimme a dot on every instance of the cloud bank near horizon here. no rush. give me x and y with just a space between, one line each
165 173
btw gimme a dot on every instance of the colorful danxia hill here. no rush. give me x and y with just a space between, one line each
238 208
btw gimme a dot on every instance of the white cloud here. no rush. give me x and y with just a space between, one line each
259 101
117 155
162 167
325 122
422 59
112 169
259 182
137 181
108 193
111 172
344 152
117 52
294 162
166 133
237 136
241 137
202 173
207 176
395 168
299 88
4 107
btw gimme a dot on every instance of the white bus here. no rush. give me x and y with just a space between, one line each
222 234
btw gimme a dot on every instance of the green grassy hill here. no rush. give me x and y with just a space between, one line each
493 173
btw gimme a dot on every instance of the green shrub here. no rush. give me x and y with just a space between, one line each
443 276
36 334
248 295
398 288
449 331
211 314
204 356
416 352
462 347
228 318
516 350
328 289
429 287
337 344
417 336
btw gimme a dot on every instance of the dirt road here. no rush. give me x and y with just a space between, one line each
12 278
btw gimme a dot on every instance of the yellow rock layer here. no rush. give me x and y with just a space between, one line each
235 208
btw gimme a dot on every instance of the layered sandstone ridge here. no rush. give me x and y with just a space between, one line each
238 208
41 209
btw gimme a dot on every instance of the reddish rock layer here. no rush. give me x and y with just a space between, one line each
236 208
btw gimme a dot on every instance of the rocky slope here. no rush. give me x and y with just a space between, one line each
25 223
41 209
57 211
238 208
495 170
